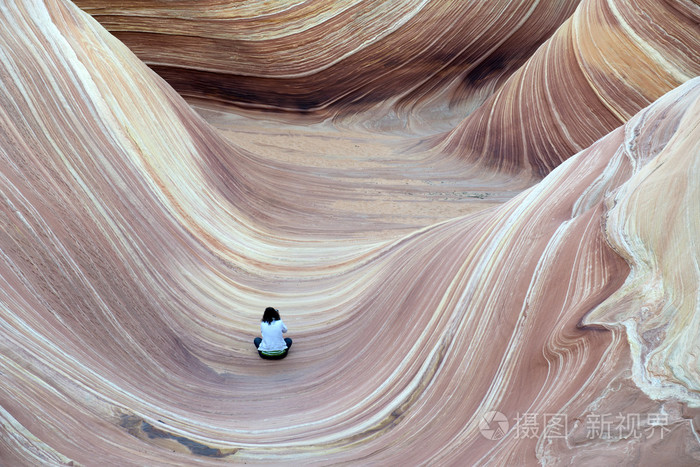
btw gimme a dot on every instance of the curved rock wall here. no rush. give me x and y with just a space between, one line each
606 63
321 56
139 245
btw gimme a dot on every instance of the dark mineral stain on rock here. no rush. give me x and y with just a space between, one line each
139 427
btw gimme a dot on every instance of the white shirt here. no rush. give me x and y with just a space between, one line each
272 335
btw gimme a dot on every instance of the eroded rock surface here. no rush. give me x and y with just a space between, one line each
325 56
535 308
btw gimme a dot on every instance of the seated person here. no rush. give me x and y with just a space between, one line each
272 346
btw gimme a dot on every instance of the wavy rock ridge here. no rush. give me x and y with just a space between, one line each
602 66
140 243
315 55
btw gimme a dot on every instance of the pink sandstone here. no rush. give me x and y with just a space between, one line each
428 281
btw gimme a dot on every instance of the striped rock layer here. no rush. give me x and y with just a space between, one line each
609 60
556 323
310 56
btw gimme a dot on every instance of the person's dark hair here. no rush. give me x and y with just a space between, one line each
270 315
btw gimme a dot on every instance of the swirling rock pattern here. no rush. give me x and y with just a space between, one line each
320 56
139 245
607 62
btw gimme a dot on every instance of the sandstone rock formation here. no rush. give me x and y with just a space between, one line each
308 56
607 62
553 323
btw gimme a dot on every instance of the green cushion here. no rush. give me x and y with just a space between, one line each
273 353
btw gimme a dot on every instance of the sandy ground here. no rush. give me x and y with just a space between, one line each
394 177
